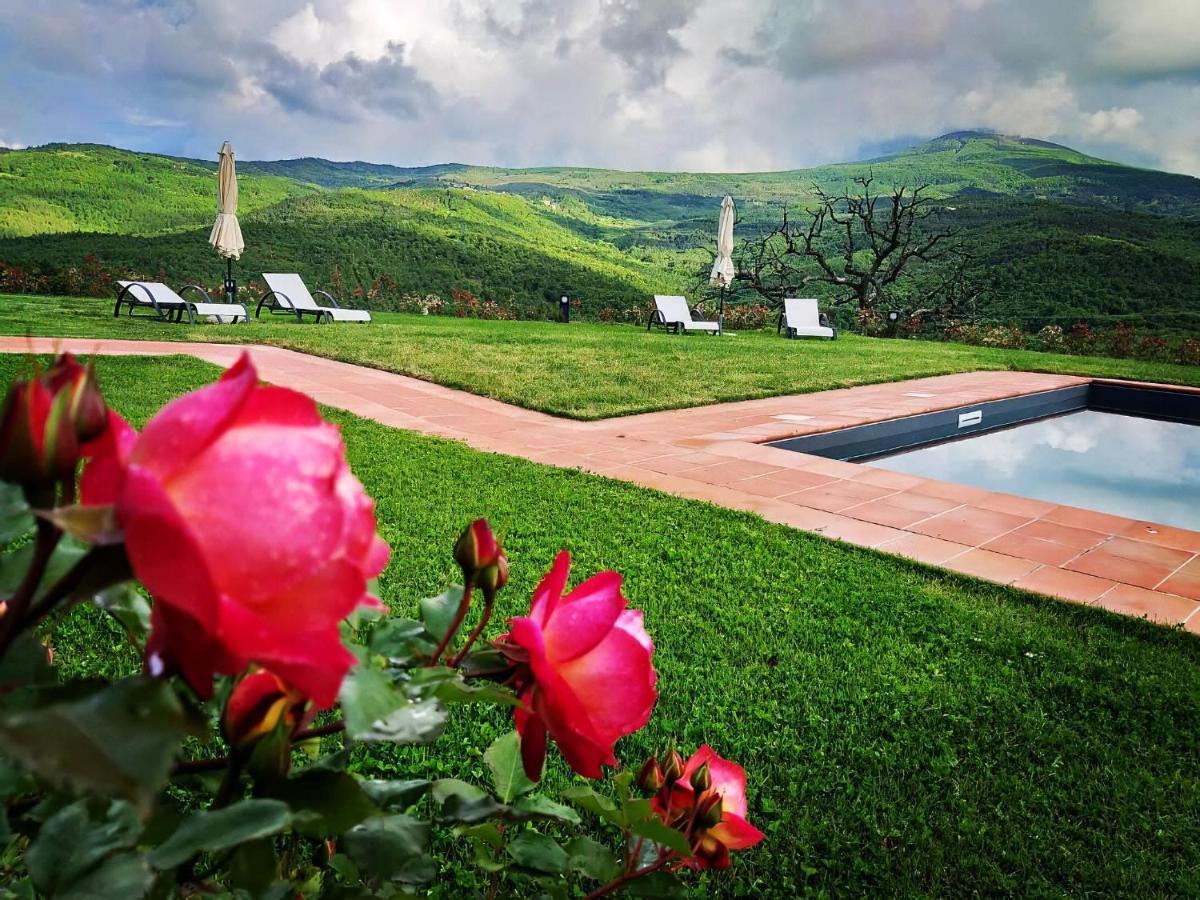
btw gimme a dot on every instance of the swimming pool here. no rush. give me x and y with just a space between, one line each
1116 448
1120 464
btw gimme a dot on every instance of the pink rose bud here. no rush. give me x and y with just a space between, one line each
709 811
701 779
650 778
38 444
494 577
85 403
476 550
672 767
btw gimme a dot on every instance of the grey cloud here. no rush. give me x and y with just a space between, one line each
350 87
640 33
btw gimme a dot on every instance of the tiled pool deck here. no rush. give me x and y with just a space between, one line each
714 453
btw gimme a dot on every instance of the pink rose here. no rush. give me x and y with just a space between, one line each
242 519
722 804
590 675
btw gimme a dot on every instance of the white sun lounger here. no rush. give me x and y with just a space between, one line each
163 303
289 296
672 313
801 318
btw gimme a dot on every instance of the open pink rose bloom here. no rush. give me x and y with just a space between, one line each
243 520
711 846
592 675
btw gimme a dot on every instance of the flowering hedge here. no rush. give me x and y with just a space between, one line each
232 544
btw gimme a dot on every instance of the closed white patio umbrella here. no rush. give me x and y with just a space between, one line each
723 271
226 235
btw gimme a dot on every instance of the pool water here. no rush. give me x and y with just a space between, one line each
1139 468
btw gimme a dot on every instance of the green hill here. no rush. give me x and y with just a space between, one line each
87 187
1057 235
424 241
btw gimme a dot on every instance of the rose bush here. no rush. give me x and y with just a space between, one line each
232 544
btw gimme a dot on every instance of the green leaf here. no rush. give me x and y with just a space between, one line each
540 807
95 525
325 802
375 710
463 802
488 833
15 519
26 664
508 773
395 795
125 603
597 804
125 876
381 847
214 830
656 884
448 686
345 868
438 613
120 740
655 830
401 640
71 844
592 859
254 866
537 851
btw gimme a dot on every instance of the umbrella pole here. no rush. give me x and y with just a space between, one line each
721 313
230 288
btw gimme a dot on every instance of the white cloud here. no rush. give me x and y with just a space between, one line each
700 84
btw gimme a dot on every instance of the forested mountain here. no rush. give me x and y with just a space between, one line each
1056 235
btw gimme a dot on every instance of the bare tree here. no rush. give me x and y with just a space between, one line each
859 242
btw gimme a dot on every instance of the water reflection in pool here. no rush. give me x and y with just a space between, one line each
1132 467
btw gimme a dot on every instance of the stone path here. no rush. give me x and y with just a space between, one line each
715 453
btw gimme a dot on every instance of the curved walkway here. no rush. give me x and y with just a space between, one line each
715 453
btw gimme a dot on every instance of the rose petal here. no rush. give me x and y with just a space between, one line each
187 425
163 550
584 617
735 832
549 591
614 682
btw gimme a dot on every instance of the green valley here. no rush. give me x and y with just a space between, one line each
1056 236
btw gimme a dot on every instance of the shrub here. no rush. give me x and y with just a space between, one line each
1189 352
1052 339
1119 341
1080 339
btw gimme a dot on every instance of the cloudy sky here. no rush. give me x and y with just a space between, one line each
715 85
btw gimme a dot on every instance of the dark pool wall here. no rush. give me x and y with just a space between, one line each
894 435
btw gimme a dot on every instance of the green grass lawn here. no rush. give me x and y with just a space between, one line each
585 371
906 731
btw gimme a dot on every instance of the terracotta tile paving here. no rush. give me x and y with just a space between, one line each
1135 601
970 525
1066 585
924 548
992 566
718 454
